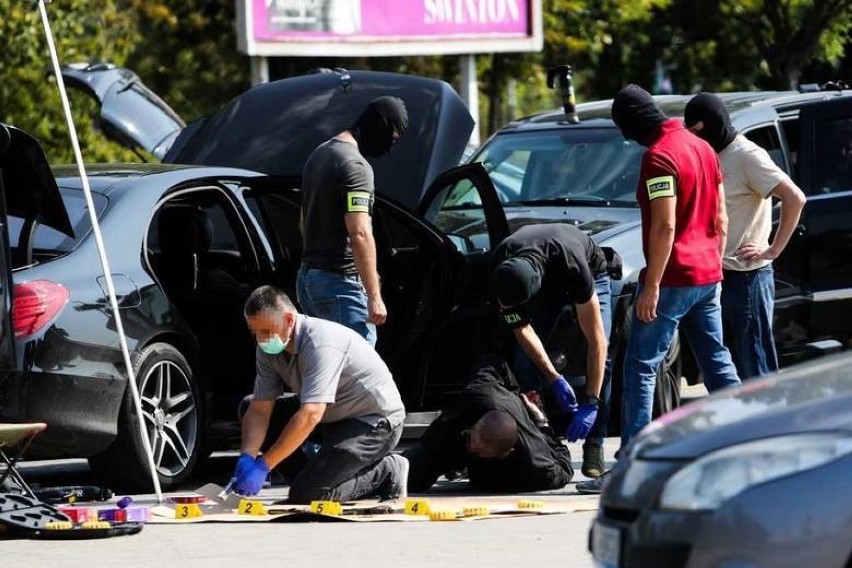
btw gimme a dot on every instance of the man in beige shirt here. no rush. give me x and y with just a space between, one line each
751 178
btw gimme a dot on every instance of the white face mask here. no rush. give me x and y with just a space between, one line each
274 345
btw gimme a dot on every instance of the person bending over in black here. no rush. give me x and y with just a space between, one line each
501 439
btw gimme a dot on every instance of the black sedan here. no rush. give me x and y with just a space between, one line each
187 243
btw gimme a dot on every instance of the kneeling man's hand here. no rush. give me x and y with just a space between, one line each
250 481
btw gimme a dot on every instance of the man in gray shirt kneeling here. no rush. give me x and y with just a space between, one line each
347 400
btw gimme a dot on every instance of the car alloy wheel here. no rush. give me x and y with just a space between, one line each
173 411
171 416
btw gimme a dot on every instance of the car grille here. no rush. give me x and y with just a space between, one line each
620 514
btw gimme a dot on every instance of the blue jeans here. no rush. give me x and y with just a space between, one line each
748 300
543 323
697 308
336 297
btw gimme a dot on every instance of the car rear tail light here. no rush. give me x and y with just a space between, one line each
35 305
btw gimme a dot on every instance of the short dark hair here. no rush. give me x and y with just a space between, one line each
498 432
267 298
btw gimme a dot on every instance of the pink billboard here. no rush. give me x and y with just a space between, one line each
388 22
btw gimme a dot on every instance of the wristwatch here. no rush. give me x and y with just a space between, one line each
593 400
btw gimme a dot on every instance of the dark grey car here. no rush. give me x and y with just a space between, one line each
548 169
760 475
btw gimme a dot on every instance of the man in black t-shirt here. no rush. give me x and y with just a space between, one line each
493 434
540 270
338 279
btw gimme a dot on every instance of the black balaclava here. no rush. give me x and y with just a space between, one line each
636 113
375 127
516 280
709 109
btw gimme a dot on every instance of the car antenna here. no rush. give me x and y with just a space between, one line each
563 74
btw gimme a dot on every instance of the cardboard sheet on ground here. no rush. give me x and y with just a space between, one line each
213 510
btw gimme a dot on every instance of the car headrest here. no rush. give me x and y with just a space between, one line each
184 229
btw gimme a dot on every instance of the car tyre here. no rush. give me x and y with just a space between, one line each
172 405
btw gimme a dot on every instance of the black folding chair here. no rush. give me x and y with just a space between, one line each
14 441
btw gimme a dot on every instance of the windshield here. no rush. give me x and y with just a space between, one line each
578 165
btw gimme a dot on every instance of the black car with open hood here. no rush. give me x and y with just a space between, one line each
28 192
273 128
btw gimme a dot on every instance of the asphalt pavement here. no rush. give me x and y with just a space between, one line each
525 541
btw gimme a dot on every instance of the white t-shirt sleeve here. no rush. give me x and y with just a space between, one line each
761 173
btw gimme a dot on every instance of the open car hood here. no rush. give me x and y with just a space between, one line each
131 114
28 184
273 128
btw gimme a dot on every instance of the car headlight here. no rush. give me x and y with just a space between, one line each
713 479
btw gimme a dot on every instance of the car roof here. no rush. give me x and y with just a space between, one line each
596 114
111 178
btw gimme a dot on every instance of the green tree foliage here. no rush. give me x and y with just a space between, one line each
185 50
788 34
84 30
187 53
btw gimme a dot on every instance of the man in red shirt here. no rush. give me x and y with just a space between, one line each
684 225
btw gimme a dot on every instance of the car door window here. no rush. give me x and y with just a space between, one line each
833 155
567 165
791 134
458 212
767 138
279 218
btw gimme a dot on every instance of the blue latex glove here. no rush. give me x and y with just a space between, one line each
582 423
565 397
245 462
251 481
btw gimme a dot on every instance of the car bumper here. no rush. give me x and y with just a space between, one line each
797 520
81 412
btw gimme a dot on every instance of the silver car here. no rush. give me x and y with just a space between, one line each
759 475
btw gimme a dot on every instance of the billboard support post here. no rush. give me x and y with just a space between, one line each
259 70
389 28
470 92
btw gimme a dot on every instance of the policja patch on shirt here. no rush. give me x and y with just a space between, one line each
359 202
663 186
514 318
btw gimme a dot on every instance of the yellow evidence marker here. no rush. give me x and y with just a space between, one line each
476 511
187 511
59 526
445 515
530 504
332 508
251 507
417 507
95 525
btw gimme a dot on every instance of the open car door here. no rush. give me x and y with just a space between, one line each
434 278
27 190
463 205
825 232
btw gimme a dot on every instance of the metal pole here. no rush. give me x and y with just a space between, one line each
259 70
470 92
96 230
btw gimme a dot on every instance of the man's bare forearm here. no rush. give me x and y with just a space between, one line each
292 437
254 427
364 252
660 242
534 349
